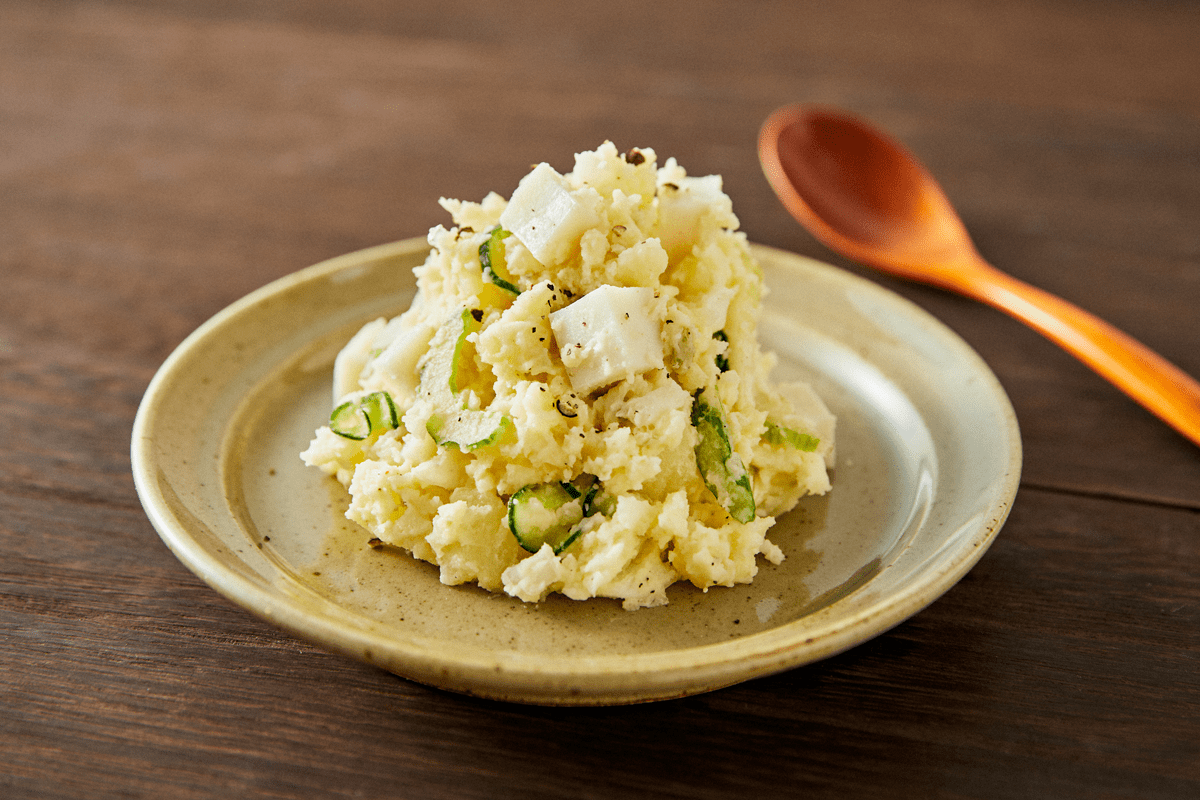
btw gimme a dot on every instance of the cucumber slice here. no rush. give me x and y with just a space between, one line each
546 513
446 371
492 296
464 374
350 421
381 411
722 470
494 262
601 503
722 359
778 435
596 499
469 430
358 419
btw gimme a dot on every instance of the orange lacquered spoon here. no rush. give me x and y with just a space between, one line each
868 198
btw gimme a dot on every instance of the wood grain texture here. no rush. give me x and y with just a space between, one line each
160 159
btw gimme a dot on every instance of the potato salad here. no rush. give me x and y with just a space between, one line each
576 402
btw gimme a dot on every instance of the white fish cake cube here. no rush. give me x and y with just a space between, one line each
611 333
548 218
680 208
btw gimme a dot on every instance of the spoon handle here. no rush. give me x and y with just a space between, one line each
1160 386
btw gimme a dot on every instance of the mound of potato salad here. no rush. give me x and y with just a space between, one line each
576 401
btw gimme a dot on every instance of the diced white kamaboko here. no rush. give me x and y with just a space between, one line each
681 204
548 218
609 334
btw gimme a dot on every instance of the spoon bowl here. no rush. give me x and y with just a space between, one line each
866 197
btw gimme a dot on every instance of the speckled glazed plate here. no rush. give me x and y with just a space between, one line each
929 457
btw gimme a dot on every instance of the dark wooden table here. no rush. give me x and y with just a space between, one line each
159 159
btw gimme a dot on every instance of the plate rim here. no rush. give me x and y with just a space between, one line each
530 678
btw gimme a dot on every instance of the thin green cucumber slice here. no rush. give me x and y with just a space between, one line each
546 514
358 419
780 435
722 358
445 374
469 430
464 374
596 499
722 470
494 261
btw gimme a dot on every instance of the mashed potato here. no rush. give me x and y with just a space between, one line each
576 401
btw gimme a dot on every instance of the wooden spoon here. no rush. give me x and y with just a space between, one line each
866 197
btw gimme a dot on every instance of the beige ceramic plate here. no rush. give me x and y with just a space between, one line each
929 458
